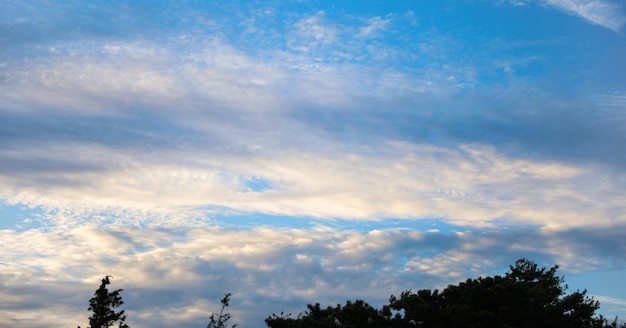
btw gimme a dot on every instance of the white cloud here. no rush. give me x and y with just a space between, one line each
614 301
194 127
606 13
311 33
472 185
131 148
177 275
375 24
600 12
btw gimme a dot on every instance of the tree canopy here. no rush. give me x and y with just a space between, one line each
103 305
526 296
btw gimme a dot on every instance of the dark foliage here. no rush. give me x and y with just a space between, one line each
354 315
103 305
221 320
526 296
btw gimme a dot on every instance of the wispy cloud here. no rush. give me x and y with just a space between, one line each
600 12
469 185
148 134
616 304
367 154
312 32
374 24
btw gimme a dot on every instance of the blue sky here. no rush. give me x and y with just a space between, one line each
304 151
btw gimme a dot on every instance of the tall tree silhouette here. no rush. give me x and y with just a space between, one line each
220 320
103 305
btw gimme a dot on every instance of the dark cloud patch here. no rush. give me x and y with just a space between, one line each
144 129
592 241
574 130
20 166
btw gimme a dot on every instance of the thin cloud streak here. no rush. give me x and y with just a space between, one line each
604 13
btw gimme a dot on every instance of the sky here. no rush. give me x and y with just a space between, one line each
295 152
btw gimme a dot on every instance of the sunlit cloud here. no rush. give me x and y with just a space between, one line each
470 185
298 156
604 13
189 268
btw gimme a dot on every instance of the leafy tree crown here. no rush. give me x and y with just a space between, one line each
104 304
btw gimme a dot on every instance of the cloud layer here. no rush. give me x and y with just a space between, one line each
300 154
267 269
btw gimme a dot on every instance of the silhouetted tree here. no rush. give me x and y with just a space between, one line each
613 324
526 296
354 315
103 305
221 320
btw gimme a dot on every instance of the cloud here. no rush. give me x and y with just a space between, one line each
209 72
140 143
177 275
472 184
604 13
616 305
374 24
111 124
312 33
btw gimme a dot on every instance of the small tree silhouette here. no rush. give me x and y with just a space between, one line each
103 305
221 320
